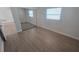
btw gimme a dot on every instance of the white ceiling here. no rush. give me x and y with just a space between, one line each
30 7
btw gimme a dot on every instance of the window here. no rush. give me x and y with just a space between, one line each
53 13
31 13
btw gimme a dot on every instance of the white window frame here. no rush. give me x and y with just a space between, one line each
52 16
30 12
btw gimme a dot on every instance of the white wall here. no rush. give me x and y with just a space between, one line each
22 15
68 24
5 14
1 45
16 18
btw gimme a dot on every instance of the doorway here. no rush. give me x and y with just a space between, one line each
30 18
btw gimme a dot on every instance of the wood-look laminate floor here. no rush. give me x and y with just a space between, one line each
40 40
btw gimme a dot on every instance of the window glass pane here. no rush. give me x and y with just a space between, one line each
53 13
31 13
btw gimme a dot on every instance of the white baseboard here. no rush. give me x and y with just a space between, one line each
77 38
66 35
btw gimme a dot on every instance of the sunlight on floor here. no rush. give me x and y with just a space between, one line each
8 28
